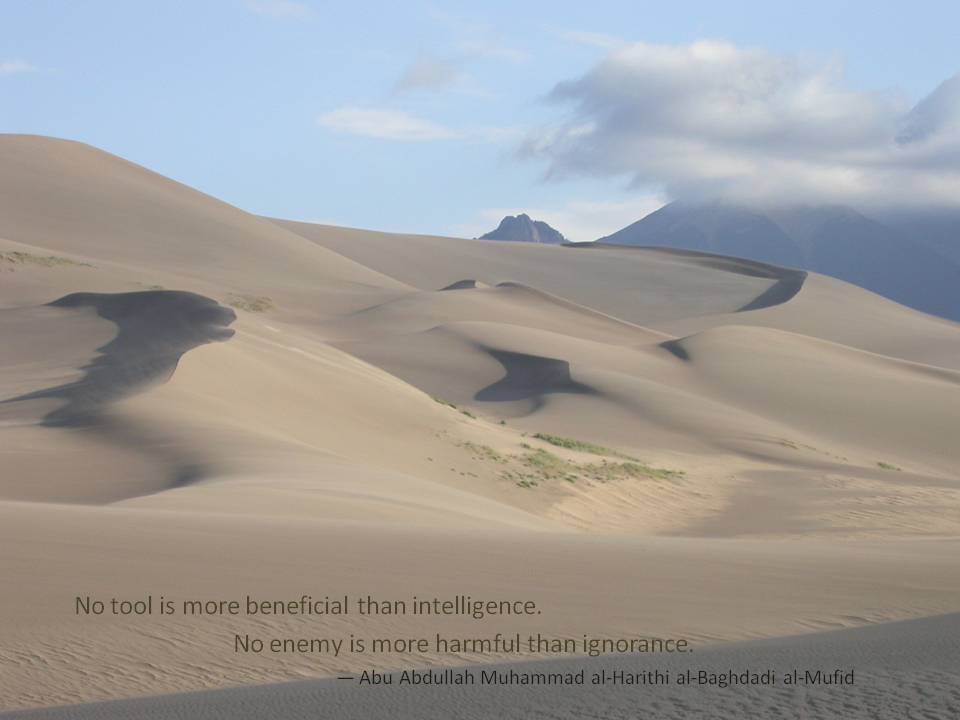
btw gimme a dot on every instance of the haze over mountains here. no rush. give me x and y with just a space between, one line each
913 260
202 402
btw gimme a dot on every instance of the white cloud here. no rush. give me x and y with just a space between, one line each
466 45
591 39
430 73
280 8
486 47
15 67
477 39
714 119
579 221
384 125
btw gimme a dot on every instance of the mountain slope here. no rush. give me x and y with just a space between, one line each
833 240
718 228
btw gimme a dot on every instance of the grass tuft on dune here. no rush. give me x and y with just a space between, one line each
252 303
578 445
17 257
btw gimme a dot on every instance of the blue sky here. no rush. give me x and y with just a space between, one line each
439 117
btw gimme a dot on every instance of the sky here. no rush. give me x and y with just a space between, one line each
442 117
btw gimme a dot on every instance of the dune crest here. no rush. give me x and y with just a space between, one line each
465 285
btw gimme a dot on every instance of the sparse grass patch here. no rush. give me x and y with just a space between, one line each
251 303
483 452
579 445
23 258
544 465
545 462
451 405
888 466
605 472
534 467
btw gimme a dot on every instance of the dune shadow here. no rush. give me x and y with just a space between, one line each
788 281
530 378
154 330
676 348
783 290
463 285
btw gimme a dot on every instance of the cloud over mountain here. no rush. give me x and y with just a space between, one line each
712 119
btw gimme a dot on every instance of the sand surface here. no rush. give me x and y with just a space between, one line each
196 401
900 670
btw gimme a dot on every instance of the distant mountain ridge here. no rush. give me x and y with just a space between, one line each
894 260
521 228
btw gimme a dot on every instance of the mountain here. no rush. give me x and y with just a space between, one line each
521 228
895 260
715 228
940 231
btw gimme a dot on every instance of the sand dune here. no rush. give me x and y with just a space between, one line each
154 330
898 669
195 400
511 303
676 292
70 197
831 310
688 587
640 287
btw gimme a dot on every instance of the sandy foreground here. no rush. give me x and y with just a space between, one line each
895 670
200 403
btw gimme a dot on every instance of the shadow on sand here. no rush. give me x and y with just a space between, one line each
154 330
530 378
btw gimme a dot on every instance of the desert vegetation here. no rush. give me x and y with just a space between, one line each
251 303
535 466
17 257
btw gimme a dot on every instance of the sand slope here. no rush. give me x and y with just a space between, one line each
197 400
667 586
899 669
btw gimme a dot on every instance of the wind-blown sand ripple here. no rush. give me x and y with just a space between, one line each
907 669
